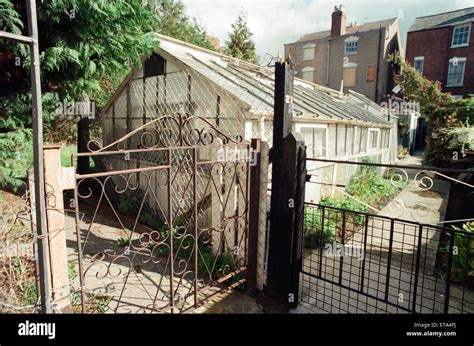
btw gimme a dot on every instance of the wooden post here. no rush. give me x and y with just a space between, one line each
288 156
254 209
56 228
83 138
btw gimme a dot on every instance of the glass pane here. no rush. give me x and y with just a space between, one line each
319 142
460 35
363 139
307 134
456 72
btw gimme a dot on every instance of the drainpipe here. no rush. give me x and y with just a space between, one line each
327 61
378 66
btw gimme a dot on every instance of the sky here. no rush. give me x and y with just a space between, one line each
276 22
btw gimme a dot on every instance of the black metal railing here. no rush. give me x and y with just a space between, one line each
356 262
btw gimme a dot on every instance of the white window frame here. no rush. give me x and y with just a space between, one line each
356 132
422 59
370 149
352 39
307 69
298 128
309 47
468 35
463 72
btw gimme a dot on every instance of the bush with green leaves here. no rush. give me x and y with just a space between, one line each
463 252
371 187
315 232
86 48
368 186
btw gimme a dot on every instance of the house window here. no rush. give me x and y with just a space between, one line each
308 74
349 76
314 138
370 73
351 47
456 72
461 36
308 51
373 140
418 63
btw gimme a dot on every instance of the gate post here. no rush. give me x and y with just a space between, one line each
288 157
254 211
55 216
83 138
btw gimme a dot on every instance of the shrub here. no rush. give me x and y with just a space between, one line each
369 186
463 259
315 233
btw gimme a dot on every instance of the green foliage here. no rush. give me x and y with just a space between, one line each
122 242
66 154
463 256
460 139
441 111
95 302
402 151
16 157
369 186
86 49
27 292
315 233
184 248
240 44
175 23
9 19
318 234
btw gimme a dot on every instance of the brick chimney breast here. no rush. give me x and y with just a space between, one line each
338 23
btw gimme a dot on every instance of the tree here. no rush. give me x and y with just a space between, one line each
444 115
86 48
175 23
240 44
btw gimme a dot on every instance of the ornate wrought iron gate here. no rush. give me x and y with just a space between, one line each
162 221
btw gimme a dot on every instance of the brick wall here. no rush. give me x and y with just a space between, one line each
435 46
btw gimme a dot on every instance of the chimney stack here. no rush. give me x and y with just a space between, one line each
338 24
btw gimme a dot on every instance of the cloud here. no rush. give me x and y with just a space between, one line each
276 22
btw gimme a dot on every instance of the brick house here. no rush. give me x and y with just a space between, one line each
441 47
352 56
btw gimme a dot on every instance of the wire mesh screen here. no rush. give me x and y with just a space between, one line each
196 106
